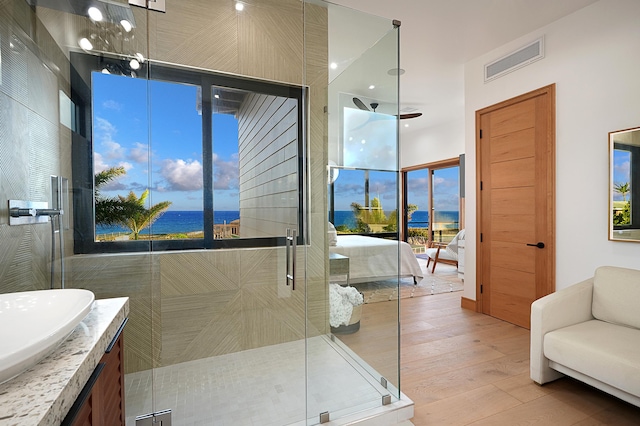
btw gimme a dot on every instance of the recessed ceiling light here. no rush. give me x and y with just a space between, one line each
85 44
216 96
333 65
396 71
95 13
239 6
126 25
134 64
406 125
372 87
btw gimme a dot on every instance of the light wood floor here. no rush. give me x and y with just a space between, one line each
465 368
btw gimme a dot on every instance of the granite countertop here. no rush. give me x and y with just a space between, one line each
45 393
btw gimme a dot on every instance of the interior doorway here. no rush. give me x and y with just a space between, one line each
515 151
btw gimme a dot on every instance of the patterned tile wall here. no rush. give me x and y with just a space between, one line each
31 142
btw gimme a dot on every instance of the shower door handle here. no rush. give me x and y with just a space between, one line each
290 247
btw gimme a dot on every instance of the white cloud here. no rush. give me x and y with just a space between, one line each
182 175
111 104
98 163
127 166
139 153
105 132
105 129
623 169
225 173
114 150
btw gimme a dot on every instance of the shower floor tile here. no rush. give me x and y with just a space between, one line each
262 386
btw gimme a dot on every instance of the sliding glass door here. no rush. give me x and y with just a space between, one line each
432 203
445 196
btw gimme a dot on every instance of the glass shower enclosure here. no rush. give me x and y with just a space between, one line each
198 142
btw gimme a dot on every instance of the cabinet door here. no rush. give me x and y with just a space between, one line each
112 386
101 401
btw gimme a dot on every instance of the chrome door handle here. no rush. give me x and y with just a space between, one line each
539 245
288 276
290 242
294 244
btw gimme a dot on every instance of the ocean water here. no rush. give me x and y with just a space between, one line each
174 222
419 218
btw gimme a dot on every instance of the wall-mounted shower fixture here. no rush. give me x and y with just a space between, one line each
59 201
29 212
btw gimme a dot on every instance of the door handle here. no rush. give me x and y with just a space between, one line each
539 245
294 244
290 242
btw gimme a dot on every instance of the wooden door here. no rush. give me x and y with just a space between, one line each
515 149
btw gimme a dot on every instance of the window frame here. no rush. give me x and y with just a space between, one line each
431 168
82 65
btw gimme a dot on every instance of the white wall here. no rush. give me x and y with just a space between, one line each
431 144
447 139
592 56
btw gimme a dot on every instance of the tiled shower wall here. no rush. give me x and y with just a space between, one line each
33 146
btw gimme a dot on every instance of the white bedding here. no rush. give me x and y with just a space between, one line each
373 258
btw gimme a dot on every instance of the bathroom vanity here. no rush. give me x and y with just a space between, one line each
71 384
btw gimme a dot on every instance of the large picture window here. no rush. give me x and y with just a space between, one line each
183 159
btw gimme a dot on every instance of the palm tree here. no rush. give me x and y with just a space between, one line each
109 211
622 188
142 218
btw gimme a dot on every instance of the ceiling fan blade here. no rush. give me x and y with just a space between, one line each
412 115
360 104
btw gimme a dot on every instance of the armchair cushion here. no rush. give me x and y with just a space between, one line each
444 254
616 296
613 360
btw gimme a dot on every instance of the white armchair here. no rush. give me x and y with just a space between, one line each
445 253
591 332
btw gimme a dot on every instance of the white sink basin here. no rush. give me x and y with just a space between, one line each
33 323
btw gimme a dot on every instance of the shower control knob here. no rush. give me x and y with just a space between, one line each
18 212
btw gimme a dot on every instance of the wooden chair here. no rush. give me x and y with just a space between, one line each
444 253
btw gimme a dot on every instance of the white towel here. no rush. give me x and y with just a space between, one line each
341 303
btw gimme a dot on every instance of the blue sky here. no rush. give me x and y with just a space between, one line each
446 189
171 164
621 170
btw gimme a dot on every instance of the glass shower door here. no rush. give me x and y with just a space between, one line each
232 316
354 367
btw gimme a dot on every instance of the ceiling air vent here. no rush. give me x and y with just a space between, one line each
518 59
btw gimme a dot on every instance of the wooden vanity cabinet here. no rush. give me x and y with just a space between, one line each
101 401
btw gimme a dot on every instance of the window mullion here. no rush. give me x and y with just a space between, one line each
207 162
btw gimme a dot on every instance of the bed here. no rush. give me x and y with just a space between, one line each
372 259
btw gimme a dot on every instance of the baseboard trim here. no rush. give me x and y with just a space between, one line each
468 304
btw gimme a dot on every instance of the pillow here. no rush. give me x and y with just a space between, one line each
333 235
616 295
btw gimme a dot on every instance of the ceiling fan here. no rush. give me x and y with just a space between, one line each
374 105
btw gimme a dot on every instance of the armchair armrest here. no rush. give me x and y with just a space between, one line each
571 305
